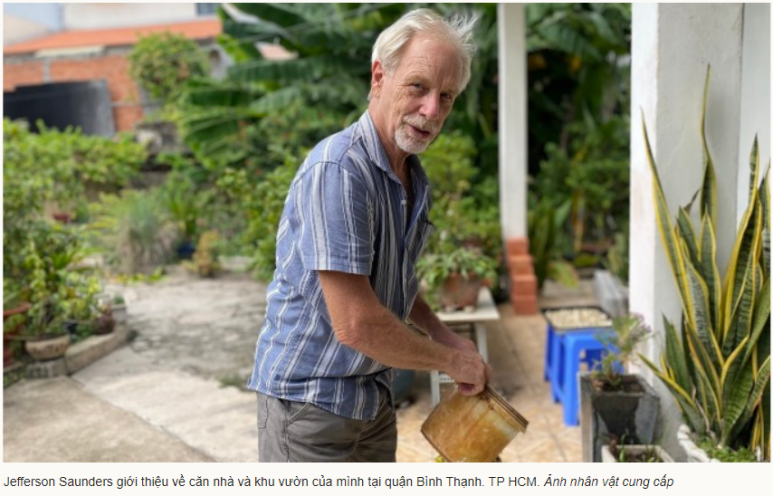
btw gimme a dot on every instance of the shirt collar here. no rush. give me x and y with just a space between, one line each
377 154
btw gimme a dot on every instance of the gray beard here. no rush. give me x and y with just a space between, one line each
408 144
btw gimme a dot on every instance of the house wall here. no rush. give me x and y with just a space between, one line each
671 48
106 15
127 107
755 94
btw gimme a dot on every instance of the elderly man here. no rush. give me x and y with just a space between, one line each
355 221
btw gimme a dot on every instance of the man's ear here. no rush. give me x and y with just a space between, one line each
376 78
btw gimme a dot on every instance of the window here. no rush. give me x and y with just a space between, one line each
206 9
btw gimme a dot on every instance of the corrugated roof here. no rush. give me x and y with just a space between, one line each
195 30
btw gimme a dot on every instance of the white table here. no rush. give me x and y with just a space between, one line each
474 321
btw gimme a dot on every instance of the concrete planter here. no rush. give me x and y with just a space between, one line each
693 452
47 348
635 450
630 414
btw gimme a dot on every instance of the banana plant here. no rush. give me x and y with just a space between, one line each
719 369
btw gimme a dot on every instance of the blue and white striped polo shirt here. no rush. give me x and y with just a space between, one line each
345 211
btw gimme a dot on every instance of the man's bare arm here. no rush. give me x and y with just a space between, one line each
361 322
424 318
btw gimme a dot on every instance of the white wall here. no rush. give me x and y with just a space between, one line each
107 15
755 94
671 47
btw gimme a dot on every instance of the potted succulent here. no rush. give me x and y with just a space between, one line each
454 278
612 402
718 370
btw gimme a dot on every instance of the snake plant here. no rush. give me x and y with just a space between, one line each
719 369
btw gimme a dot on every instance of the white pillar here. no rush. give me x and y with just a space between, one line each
513 165
671 47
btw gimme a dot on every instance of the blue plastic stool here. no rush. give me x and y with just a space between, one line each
555 357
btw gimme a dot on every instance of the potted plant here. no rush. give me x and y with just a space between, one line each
184 206
719 369
454 278
205 260
612 402
105 322
59 293
118 308
46 336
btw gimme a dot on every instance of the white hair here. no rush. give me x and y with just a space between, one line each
457 30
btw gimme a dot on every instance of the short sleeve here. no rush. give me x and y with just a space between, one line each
336 231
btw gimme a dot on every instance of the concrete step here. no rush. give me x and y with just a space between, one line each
218 421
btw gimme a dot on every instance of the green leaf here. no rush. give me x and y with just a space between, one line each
282 14
764 195
745 248
740 323
294 70
683 398
709 188
221 96
667 231
687 234
710 273
738 402
760 320
699 295
704 368
676 356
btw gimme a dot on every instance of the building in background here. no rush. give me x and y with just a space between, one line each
75 55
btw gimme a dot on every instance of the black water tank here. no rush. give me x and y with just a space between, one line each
86 105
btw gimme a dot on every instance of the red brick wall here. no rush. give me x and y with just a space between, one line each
20 74
127 110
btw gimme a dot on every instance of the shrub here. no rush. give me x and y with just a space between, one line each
133 228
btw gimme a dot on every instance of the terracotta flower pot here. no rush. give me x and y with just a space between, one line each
456 292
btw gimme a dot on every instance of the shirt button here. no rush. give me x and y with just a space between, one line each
404 202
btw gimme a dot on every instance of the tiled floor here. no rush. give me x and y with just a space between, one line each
516 353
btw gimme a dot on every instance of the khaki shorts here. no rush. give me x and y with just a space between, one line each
289 431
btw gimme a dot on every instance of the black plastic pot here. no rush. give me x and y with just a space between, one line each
185 250
629 415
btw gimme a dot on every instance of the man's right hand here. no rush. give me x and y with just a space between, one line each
469 371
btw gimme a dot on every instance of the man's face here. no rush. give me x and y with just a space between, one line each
413 101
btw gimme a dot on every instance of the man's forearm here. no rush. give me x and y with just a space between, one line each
391 342
361 322
424 318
